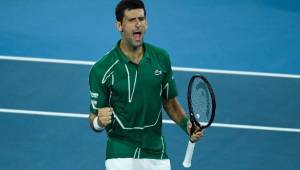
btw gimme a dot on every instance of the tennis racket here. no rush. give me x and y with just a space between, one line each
202 106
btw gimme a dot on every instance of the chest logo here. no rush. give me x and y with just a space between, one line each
157 72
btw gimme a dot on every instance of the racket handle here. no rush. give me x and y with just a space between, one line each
188 155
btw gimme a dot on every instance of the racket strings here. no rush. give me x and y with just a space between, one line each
201 101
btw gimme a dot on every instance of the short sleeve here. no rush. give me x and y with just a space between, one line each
98 92
169 85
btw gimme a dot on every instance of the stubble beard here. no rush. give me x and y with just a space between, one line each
133 43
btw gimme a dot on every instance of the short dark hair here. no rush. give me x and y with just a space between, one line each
124 5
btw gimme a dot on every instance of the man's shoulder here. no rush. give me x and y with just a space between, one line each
105 62
155 49
158 53
107 59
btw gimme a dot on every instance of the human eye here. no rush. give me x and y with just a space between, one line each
131 19
141 18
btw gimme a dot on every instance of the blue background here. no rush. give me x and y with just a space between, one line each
250 35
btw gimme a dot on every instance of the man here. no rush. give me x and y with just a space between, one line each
128 88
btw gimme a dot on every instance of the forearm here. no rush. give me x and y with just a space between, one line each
174 109
176 113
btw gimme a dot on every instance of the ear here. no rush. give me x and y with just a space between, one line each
119 26
146 25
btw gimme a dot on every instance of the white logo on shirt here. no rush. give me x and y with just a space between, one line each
157 72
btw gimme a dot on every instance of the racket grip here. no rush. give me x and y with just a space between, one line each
188 155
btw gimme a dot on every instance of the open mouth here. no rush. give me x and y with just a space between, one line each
137 35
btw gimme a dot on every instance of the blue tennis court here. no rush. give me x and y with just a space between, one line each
248 50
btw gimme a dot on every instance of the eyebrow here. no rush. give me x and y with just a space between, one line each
134 18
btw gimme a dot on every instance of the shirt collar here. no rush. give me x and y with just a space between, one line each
125 59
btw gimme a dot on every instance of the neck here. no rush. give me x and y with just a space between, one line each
134 54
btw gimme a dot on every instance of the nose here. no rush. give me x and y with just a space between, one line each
138 23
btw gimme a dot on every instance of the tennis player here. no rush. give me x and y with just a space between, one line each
128 88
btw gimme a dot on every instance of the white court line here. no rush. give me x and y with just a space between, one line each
46 60
79 115
232 72
43 113
184 69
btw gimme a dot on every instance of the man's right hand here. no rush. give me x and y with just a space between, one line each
197 134
105 116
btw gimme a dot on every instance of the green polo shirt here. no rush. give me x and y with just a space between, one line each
135 92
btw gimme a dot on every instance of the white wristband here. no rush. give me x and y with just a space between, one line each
96 124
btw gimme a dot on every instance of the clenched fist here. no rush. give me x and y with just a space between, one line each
105 116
